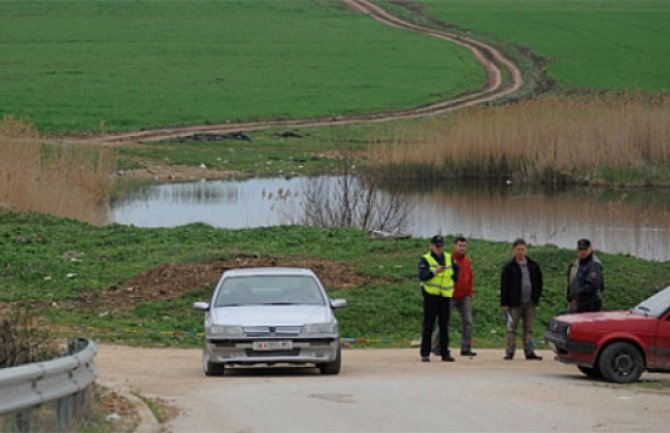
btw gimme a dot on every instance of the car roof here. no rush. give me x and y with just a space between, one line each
246 272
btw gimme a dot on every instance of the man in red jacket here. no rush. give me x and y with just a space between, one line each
462 300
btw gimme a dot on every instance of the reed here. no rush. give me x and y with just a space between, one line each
62 180
555 139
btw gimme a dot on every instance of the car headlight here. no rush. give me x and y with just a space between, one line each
320 328
228 331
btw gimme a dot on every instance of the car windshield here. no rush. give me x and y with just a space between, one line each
655 305
269 290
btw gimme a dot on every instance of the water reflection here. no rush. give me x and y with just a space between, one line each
635 222
229 204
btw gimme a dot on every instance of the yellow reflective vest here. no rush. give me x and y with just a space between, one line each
441 284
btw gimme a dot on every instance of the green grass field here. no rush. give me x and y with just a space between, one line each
35 266
113 65
594 44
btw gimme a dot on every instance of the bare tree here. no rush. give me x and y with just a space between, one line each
355 200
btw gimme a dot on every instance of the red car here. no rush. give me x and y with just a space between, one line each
617 346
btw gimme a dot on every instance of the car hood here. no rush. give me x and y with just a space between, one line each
271 315
600 317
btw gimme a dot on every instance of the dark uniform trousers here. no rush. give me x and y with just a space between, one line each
435 306
589 305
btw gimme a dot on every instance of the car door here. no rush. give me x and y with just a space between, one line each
662 346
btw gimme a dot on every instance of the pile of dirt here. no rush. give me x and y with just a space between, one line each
170 281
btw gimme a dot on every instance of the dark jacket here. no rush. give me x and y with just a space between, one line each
587 282
510 283
425 273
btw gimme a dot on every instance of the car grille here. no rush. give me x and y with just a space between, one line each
272 353
272 331
312 342
558 327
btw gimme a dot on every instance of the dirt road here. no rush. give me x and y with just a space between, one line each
386 391
491 58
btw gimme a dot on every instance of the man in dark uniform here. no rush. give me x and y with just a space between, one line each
585 280
437 274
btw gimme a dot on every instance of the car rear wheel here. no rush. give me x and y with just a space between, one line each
621 363
332 367
211 368
592 372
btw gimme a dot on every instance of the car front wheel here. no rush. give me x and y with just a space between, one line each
621 363
334 366
212 369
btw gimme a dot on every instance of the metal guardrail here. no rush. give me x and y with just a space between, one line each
59 380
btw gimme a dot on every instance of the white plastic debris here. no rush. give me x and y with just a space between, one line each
113 417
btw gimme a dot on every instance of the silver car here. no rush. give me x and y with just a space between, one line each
268 316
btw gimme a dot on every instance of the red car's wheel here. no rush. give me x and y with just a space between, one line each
621 363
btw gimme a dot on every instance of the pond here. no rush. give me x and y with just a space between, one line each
618 221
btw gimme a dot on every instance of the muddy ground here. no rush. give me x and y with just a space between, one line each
171 281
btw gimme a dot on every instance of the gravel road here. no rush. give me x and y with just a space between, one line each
388 390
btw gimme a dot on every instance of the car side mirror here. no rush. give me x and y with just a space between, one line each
201 306
338 303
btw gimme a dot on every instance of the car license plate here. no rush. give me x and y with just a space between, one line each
273 345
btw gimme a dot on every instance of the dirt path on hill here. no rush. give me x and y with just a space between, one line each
491 58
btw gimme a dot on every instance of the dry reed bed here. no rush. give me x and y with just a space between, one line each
62 180
555 139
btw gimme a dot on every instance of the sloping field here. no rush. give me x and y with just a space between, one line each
109 65
595 44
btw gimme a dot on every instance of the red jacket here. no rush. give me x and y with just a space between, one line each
464 285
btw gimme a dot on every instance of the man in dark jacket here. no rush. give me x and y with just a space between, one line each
520 291
585 280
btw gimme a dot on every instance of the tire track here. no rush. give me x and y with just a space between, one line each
490 57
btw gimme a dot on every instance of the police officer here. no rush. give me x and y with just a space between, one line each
437 274
585 280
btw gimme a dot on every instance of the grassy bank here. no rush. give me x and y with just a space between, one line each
117 65
612 139
136 286
597 44
259 153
